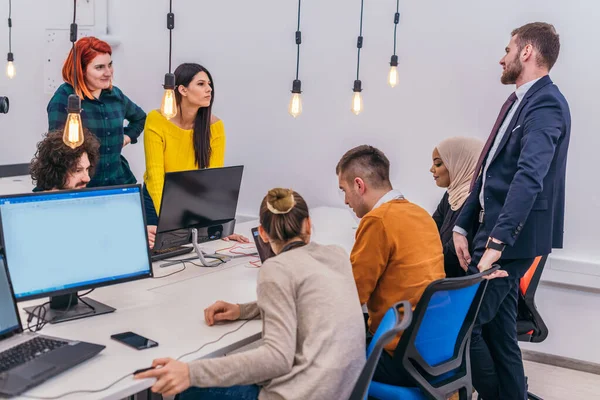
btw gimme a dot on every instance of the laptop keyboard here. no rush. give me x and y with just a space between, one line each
27 351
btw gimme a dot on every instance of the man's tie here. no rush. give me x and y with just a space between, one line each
488 145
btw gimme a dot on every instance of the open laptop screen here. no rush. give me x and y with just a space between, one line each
9 320
264 249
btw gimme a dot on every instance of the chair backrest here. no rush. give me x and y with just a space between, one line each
530 281
527 308
434 350
393 322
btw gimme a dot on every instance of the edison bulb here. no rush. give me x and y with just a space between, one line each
168 106
393 76
357 103
295 107
73 134
10 70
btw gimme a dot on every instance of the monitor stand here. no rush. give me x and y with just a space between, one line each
218 259
68 307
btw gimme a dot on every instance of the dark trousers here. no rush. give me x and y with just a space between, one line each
151 216
388 371
496 362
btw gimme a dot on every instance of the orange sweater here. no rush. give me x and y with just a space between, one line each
397 253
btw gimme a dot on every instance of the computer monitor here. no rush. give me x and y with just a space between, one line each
200 202
58 243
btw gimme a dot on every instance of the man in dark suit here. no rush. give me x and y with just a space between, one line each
517 197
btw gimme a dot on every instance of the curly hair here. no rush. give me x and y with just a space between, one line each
54 160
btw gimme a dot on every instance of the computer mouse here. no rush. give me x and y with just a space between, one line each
139 371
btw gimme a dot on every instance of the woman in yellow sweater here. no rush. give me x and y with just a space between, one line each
194 138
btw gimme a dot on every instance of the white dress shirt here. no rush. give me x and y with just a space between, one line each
520 93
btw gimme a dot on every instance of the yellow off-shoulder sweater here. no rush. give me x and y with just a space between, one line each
169 148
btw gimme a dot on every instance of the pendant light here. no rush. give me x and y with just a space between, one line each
73 133
393 74
357 102
10 66
168 106
295 107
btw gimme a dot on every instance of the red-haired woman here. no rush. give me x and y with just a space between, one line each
104 109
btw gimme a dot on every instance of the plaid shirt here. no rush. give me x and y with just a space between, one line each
103 117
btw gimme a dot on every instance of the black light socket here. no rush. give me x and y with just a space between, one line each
4 103
357 86
359 42
10 57
297 86
394 61
73 35
169 81
73 104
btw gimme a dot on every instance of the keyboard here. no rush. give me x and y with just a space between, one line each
170 252
27 351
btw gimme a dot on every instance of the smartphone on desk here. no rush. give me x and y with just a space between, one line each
134 340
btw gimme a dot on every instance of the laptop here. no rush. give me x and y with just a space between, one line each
28 359
264 249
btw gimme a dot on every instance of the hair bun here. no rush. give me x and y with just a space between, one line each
280 201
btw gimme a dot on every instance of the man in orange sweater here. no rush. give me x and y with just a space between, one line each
397 251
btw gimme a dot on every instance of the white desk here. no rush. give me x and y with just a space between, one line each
170 311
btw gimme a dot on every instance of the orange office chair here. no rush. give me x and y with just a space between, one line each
530 325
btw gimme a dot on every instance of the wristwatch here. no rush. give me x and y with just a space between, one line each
495 246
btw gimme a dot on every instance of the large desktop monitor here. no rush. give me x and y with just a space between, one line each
198 206
58 243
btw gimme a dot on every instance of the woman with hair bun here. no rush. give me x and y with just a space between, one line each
313 344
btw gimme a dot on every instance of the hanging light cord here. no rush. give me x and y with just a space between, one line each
360 39
298 41
170 26
10 26
396 20
73 40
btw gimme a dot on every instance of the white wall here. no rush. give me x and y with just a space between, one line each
449 85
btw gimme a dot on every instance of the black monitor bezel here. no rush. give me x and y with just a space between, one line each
150 273
170 175
18 329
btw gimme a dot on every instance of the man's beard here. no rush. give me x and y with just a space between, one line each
512 72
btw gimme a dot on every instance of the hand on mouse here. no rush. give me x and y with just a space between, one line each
237 238
221 311
172 377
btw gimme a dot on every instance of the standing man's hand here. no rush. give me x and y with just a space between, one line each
462 250
492 253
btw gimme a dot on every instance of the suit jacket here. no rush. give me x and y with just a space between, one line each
525 184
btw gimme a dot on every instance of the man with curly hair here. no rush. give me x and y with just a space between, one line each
56 166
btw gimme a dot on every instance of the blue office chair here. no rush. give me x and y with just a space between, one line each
434 347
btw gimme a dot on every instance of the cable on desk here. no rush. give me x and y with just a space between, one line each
131 374
39 312
60 396
215 341
172 273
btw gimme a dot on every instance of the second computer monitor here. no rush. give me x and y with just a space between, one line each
205 199
57 243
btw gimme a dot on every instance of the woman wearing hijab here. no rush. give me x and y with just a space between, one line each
454 162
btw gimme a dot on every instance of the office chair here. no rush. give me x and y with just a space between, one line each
530 325
434 348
